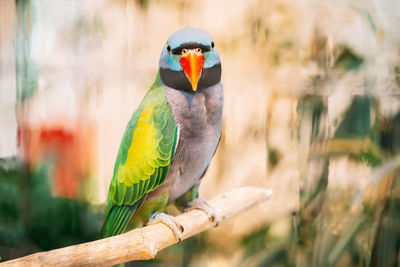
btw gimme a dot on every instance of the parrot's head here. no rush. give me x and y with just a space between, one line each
190 61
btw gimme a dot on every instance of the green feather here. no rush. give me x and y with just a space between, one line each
143 160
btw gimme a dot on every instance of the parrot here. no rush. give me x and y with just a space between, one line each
170 139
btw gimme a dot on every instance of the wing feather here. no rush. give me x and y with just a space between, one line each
143 160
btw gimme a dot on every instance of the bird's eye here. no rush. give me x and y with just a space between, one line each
169 49
198 50
212 44
184 51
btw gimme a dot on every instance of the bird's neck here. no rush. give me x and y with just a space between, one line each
178 80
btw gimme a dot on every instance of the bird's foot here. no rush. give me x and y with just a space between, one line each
169 221
204 205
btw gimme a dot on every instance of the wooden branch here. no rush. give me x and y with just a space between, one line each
144 243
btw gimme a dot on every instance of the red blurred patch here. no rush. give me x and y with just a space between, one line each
69 149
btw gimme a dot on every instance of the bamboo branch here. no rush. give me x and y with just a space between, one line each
144 243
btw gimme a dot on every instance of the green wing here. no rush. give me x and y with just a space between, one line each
143 161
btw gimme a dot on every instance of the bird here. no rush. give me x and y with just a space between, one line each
170 139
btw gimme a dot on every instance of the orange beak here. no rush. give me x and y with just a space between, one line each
192 64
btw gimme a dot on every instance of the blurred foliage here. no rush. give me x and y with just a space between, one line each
330 228
356 225
355 134
273 157
311 106
262 248
356 121
255 241
33 220
390 141
386 247
27 72
143 3
347 60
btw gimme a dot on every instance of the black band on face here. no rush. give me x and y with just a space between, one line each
210 76
179 81
190 45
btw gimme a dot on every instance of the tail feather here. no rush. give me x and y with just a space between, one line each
118 218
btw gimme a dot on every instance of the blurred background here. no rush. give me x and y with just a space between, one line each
312 110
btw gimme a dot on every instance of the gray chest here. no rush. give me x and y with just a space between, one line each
199 118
